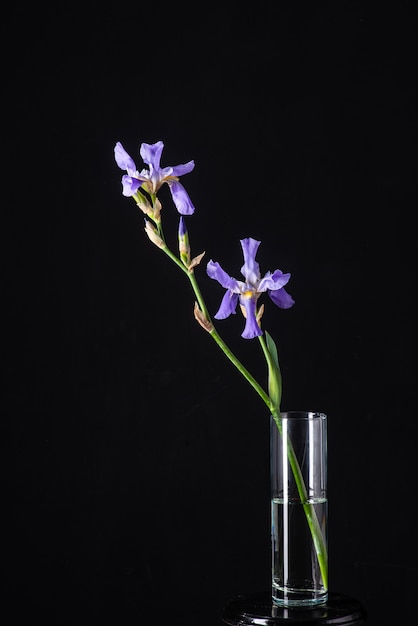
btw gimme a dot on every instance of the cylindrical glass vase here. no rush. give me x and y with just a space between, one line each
299 508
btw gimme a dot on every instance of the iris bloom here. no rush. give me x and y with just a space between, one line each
153 178
248 292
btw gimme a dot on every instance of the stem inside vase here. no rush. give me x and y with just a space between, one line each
299 508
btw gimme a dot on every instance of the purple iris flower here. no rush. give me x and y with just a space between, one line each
248 292
153 178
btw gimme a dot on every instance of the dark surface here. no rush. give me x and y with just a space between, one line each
134 458
258 609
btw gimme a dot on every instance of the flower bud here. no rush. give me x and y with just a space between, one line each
184 245
143 203
152 233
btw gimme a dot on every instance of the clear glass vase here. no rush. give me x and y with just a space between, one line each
299 508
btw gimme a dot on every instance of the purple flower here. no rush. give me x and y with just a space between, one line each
248 292
153 178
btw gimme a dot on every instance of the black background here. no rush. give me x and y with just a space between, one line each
134 458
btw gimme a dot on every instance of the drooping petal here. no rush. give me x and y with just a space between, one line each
129 185
250 270
151 153
181 199
185 168
215 271
277 280
252 329
123 159
281 298
228 305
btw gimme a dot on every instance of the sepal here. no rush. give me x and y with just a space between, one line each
202 319
196 261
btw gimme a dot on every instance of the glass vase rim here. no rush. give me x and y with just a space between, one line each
303 415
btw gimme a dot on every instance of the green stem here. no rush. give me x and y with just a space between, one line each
214 333
218 339
173 257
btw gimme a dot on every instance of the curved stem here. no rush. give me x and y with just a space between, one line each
240 367
214 333
221 343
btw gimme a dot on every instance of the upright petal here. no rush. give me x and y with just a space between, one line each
181 198
151 153
250 270
228 305
123 159
281 298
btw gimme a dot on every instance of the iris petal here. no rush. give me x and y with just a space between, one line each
281 298
252 329
251 269
151 153
277 280
228 305
129 185
123 159
185 168
214 270
181 199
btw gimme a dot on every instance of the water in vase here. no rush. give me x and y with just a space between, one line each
296 575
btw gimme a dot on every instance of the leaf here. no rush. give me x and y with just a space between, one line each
272 348
274 375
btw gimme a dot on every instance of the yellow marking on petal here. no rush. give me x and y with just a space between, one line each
247 294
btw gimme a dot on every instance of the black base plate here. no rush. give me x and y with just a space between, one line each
258 609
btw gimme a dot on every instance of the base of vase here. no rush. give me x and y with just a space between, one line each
258 609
